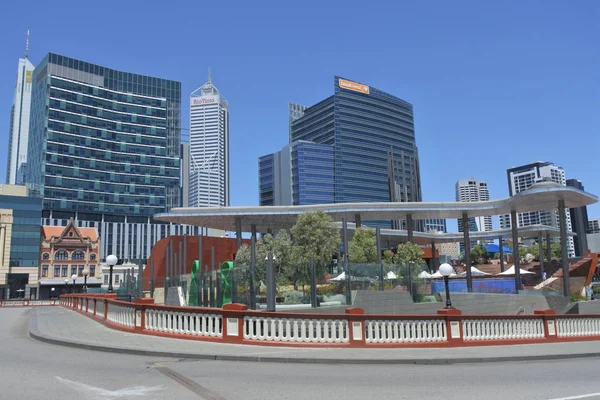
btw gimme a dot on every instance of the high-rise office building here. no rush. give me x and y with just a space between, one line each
522 178
184 177
435 225
579 222
209 147
593 226
373 140
19 241
300 174
18 137
472 190
295 111
104 149
109 140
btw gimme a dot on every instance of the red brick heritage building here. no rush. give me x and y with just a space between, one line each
64 251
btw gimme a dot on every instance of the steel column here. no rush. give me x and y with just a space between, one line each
501 245
409 227
516 258
252 290
467 240
346 262
564 255
541 257
379 261
238 232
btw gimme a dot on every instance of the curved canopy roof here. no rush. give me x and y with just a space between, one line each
542 196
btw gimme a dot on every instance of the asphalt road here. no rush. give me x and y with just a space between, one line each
33 370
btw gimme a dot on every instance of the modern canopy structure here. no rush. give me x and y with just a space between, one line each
540 197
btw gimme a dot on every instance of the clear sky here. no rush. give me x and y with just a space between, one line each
494 84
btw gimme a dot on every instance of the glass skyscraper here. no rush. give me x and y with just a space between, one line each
103 141
373 140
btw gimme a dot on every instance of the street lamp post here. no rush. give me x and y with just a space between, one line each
85 272
67 286
111 261
51 293
74 277
446 270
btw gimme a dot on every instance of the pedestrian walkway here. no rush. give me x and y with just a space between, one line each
62 326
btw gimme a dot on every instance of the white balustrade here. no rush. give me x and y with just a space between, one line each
121 315
184 323
296 330
405 331
572 327
501 329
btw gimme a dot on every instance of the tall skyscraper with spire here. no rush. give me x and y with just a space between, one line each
209 147
18 136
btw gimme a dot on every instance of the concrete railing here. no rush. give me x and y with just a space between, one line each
236 324
503 328
28 303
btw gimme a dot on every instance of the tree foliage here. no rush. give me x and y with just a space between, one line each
534 250
388 257
409 252
362 248
280 245
313 235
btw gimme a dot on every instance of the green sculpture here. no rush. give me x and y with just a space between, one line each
193 293
226 275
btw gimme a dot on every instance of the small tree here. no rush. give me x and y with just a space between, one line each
362 248
409 252
388 257
313 235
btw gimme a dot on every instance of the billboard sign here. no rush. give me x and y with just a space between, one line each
357 87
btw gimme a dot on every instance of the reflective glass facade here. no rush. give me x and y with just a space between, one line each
109 140
373 139
312 173
26 224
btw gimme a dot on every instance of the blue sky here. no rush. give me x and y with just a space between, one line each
493 84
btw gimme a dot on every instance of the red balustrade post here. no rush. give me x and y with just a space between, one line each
356 326
549 318
233 322
142 302
454 333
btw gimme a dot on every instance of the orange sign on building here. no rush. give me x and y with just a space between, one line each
357 87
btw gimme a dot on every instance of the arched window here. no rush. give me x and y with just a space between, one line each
78 255
92 257
61 255
46 256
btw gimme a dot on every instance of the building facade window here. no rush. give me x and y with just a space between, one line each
57 272
80 270
92 271
92 257
64 271
46 256
106 279
78 255
44 271
73 269
61 255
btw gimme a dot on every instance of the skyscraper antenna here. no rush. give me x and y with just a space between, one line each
27 44
209 81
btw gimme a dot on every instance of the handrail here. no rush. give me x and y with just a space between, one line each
234 323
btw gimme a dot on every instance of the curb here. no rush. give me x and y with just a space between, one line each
34 333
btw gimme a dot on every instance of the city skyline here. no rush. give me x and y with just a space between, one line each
262 102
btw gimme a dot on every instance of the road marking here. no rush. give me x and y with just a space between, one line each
582 396
195 387
110 394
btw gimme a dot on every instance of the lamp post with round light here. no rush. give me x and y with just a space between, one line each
85 273
52 295
74 277
67 286
446 270
111 261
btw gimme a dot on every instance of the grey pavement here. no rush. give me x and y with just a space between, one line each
59 325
